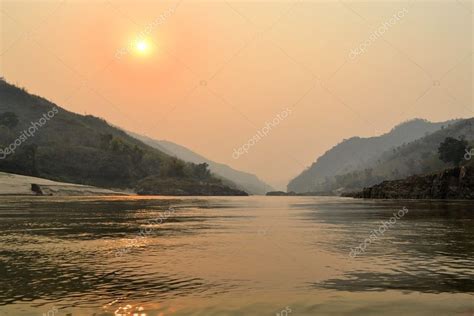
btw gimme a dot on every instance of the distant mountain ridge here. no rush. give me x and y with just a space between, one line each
243 180
359 153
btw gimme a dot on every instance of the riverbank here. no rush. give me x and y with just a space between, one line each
13 184
185 187
454 183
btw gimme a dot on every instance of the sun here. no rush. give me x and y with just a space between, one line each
142 46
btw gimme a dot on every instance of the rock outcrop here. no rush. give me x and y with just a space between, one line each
454 183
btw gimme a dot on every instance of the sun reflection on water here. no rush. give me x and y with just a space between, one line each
139 310
129 310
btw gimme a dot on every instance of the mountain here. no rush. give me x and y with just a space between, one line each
243 180
358 153
415 158
39 138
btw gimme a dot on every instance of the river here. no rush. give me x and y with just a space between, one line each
286 256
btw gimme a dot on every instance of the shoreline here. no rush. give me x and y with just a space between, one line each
20 185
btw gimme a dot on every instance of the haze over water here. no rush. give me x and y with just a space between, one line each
233 256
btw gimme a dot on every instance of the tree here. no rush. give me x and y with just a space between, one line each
173 168
452 150
9 119
137 154
117 145
105 140
201 171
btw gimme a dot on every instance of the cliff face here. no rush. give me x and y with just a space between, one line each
455 183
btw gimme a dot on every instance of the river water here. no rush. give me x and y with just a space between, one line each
284 256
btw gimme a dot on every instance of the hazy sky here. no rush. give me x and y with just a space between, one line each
211 74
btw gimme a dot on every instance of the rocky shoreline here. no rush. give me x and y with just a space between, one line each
454 183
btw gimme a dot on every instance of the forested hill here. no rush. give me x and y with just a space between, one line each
416 158
358 153
244 181
39 138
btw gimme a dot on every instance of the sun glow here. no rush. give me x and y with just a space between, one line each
142 46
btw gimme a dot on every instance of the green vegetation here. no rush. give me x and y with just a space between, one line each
452 150
155 185
8 119
419 156
81 149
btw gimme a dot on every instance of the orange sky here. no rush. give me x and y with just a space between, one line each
217 71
